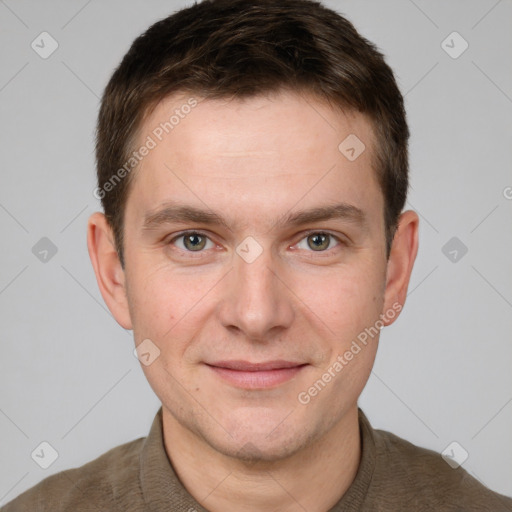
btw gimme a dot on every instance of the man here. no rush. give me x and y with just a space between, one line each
252 165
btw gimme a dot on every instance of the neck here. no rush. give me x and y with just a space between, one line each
313 479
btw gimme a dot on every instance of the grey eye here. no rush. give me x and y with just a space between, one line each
319 241
192 242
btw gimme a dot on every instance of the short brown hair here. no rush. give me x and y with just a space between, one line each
243 48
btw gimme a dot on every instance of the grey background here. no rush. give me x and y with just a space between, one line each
443 372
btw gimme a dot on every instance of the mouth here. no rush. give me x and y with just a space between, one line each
264 375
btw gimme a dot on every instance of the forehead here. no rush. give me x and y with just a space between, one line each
275 121
274 150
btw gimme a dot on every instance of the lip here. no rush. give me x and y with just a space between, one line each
264 375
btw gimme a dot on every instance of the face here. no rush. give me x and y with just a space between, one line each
255 262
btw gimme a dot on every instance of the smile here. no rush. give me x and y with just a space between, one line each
263 375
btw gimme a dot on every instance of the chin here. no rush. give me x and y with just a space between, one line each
261 436
258 448
258 432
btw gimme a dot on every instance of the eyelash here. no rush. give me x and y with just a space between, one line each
199 254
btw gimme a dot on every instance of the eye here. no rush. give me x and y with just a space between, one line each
192 241
318 241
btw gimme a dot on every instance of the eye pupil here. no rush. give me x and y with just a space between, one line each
191 242
319 241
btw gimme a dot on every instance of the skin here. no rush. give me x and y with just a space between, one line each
253 162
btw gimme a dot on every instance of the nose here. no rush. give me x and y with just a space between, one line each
256 299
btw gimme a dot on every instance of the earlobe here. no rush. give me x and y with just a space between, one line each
110 275
400 263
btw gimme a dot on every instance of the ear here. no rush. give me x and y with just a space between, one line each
107 267
400 263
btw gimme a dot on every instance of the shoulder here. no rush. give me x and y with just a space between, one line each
109 482
422 480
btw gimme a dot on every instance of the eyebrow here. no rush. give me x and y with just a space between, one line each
174 213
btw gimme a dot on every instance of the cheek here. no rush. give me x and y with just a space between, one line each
350 306
345 300
167 304
155 303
